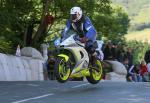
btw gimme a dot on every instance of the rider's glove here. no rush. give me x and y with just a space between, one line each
83 40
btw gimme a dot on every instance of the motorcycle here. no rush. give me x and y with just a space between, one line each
73 61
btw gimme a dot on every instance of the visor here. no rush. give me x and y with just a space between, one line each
73 16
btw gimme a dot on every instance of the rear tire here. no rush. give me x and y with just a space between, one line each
95 76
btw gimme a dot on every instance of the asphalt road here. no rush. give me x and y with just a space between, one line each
74 92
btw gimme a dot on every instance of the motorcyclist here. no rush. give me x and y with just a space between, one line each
83 26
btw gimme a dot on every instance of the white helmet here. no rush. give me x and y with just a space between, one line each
76 14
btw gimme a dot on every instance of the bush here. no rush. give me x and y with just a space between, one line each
139 49
5 46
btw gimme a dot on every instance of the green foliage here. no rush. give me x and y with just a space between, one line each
137 10
142 35
139 41
14 18
112 24
139 49
5 46
16 15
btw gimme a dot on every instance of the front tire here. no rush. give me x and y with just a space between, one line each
95 76
62 70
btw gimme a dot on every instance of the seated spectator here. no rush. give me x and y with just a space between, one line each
144 72
135 74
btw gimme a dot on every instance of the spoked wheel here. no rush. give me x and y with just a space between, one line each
95 72
62 70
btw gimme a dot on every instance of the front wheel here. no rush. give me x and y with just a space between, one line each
95 75
62 70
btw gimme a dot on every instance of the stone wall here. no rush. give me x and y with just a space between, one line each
119 71
23 68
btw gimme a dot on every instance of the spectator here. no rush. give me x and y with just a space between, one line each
114 51
128 76
108 52
120 53
147 59
134 72
144 72
129 56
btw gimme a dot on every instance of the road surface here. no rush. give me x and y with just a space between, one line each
74 92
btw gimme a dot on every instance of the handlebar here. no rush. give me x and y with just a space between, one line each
77 39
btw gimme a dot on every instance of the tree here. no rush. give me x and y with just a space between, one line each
14 24
112 23
13 19
42 29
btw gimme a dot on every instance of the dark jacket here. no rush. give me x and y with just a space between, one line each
147 56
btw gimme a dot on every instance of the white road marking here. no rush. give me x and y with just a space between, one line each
80 85
34 85
38 97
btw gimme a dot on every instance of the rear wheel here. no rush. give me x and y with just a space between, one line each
62 70
95 72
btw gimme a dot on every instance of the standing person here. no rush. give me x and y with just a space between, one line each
129 55
83 26
120 53
108 51
147 60
128 76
